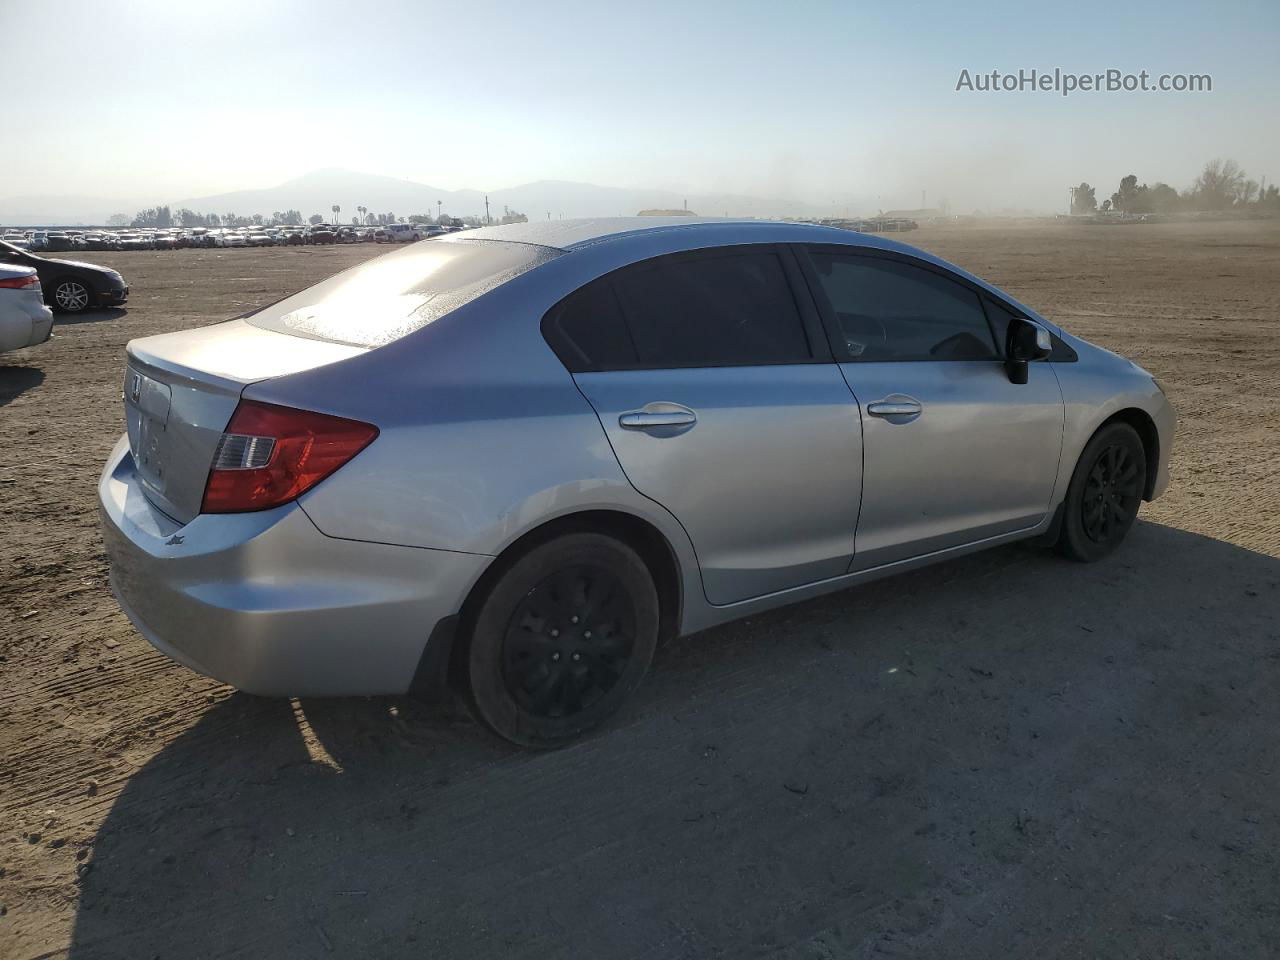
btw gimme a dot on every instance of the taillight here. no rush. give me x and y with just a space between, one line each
269 455
20 282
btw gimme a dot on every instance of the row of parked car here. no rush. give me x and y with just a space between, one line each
34 285
53 241
882 225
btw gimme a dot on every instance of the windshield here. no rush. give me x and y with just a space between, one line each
393 295
11 253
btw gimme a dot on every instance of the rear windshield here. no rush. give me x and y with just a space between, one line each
391 296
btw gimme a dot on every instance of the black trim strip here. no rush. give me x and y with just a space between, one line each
430 681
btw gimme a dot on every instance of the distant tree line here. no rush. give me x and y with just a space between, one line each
1221 185
164 216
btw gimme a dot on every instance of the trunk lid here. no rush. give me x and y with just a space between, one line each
180 390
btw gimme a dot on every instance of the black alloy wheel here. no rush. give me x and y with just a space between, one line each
569 642
563 636
1111 495
1106 490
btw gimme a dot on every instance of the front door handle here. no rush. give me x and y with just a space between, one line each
895 407
647 419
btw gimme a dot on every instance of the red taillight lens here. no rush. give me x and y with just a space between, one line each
20 282
270 455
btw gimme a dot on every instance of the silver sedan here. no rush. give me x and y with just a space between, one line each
523 456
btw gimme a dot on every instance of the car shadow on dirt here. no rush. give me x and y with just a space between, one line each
992 757
88 316
17 380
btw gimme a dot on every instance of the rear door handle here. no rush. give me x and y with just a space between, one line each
898 407
645 420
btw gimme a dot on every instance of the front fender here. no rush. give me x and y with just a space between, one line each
1097 388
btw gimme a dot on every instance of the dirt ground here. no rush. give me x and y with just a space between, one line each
1008 755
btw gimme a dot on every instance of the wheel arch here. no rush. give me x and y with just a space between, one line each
1145 427
642 536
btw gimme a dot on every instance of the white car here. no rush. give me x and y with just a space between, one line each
24 318
404 232
234 240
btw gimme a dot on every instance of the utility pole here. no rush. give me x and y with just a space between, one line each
439 205
486 209
1071 200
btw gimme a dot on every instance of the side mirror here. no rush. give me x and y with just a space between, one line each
1025 343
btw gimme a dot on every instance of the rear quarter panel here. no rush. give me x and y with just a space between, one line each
483 434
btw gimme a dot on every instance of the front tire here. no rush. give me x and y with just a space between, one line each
71 295
562 639
1104 495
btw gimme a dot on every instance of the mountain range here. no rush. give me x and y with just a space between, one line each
318 191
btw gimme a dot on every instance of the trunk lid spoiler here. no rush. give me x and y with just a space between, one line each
180 390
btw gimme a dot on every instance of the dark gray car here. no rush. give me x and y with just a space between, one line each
71 286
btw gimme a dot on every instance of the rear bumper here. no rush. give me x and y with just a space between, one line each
25 324
267 603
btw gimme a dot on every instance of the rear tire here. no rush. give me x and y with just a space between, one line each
563 638
1104 495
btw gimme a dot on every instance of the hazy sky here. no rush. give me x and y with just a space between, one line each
841 103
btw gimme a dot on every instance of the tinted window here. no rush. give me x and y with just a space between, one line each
888 310
704 311
588 332
683 311
1000 318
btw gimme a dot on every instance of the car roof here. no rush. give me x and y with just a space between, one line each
570 235
643 237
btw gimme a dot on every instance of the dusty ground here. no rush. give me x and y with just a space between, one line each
1009 755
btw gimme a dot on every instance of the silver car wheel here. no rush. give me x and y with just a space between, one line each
72 296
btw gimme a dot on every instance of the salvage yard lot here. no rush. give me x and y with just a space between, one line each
1005 755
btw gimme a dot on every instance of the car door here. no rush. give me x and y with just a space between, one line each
723 404
953 451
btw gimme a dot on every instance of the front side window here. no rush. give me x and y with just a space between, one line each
888 310
716 309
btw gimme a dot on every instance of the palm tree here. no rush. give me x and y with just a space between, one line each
336 210
362 211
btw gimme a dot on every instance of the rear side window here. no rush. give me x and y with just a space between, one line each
716 309
893 311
